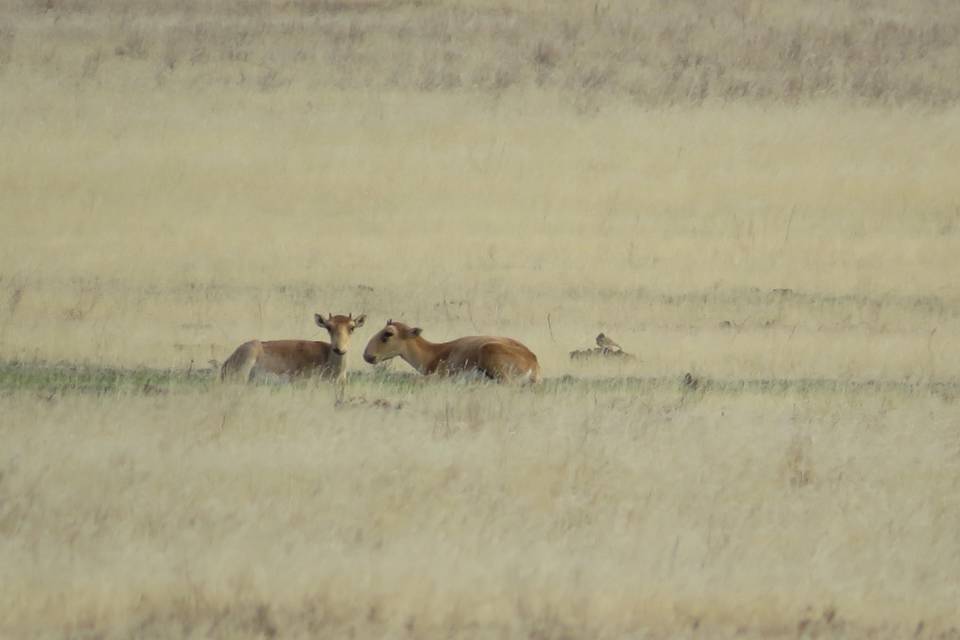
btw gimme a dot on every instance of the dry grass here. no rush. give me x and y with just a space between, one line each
477 512
139 236
647 53
743 191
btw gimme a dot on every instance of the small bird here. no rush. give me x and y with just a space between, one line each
606 343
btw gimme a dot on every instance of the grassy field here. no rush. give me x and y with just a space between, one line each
761 195
151 509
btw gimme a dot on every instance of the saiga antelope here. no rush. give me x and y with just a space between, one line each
501 359
296 357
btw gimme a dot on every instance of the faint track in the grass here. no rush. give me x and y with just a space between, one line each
47 377
948 389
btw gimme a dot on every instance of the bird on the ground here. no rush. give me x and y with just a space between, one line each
606 343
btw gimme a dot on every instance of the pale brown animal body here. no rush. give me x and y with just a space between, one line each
296 358
501 359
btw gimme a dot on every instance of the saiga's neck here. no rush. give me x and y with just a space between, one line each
337 363
421 354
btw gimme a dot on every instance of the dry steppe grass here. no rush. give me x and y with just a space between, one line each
760 194
739 241
479 512
650 53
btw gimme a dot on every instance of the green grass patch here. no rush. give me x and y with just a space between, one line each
81 378
88 378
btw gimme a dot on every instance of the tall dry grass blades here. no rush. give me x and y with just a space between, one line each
647 53
760 195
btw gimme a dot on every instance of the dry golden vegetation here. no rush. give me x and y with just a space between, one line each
648 52
478 512
760 194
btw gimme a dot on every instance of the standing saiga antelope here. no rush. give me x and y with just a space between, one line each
501 359
296 357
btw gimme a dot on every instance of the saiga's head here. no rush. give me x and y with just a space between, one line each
340 329
389 342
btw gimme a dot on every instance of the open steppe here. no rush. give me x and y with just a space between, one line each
760 194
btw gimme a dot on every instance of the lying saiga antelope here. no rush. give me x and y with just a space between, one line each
502 359
296 357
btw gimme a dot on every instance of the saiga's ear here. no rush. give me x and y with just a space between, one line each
359 320
416 331
318 318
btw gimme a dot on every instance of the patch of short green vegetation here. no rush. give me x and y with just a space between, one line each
83 378
80 378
